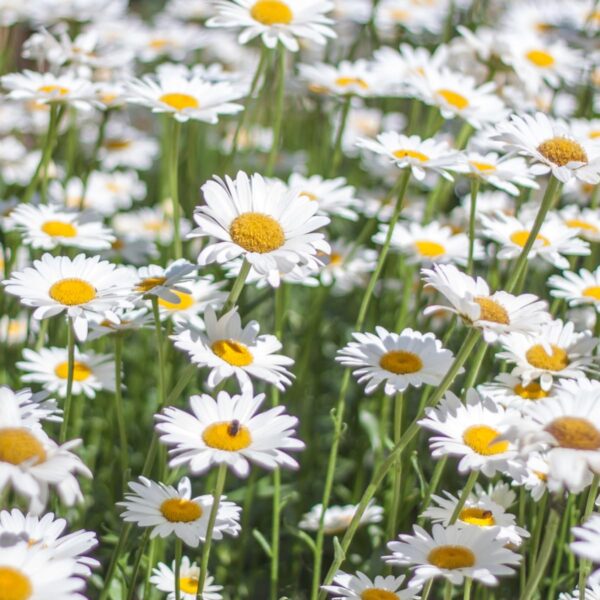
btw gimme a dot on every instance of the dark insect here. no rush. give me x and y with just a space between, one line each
234 428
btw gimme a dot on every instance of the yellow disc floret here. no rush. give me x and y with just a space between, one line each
180 510
59 229
257 232
72 291
575 433
401 362
81 371
492 311
229 436
14 585
232 352
561 151
538 357
272 12
18 445
480 438
451 557
179 101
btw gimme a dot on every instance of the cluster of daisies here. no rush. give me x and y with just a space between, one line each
216 207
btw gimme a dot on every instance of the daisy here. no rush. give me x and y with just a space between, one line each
479 511
587 544
32 408
347 266
552 146
13 330
399 360
509 391
577 288
169 510
333 196
167 39
151 224
414 153
48 532
413 16
470 432
131 249
126 320
360 587
338 518
163 578
275 21
83 288
552 242
228 431
49 367
127 147
273 229
592 592
534 478
48 227
585 220
555 351
166 283
495 313
429 243
186 98
229 349
454 553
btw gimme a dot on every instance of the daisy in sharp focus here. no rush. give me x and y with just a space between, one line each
285 21
471 431
557 350
272 228
398 360
496 314
577 288
414 153
84 288
228 430
552 146
48 227
360 587
169 510
338 518
587 544
163 578
454 553
49 367
228 349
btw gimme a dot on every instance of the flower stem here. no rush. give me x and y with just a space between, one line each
70 372
584 565
236 290
114 559
475 183
464 496
137 564
397 473
174 185
178 552
278 118
123 446
337 147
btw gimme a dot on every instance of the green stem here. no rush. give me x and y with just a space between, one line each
447 590
337 147
123 445
137 564
464 496
70 371
114 559
236 290
219 486
467 591
173 146
397 474
584 565
278 119
475 183
435 481
178 552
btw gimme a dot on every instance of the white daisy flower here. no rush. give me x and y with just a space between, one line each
48 532
509 391
429 243
470 432
333 196
169 510
414 153
556 351
552 242
84 288
186 98
153 224
479 511
552 146
271 227
587 544
577 288
163 578
32 408
398 360
13 330
338 518
535 476
360 587
347 267
592 592
167 39
131 249
228 431
49 367
166 283
127 319
585 220
454 553
415 17
127 147
496 314
47 227
275 21
229 349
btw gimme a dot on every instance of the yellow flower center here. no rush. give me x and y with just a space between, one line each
520 238
185 301
81 371
257 232
378 594
348 81
477 516
454 98
309 195
401 362
451 557
145 285
117 144
480 438
59 229
540 58
592 292
180 510
492 311
594 134
188 585
272 12
72 291
232 352
14 585
579 224
227 435
562 151
540 359
483 167
17 445
55 90
429 249
158 43
411 154
179 101
575 433
531 391
400 15
336 259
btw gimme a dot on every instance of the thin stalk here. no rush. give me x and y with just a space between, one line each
162 391
70 370
236 290
114 559
435 481
138 563
475 183
173 146
337 147
123 446
219 486
397 474
584 565
278 119
447 590
178 552
467 590
464 496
